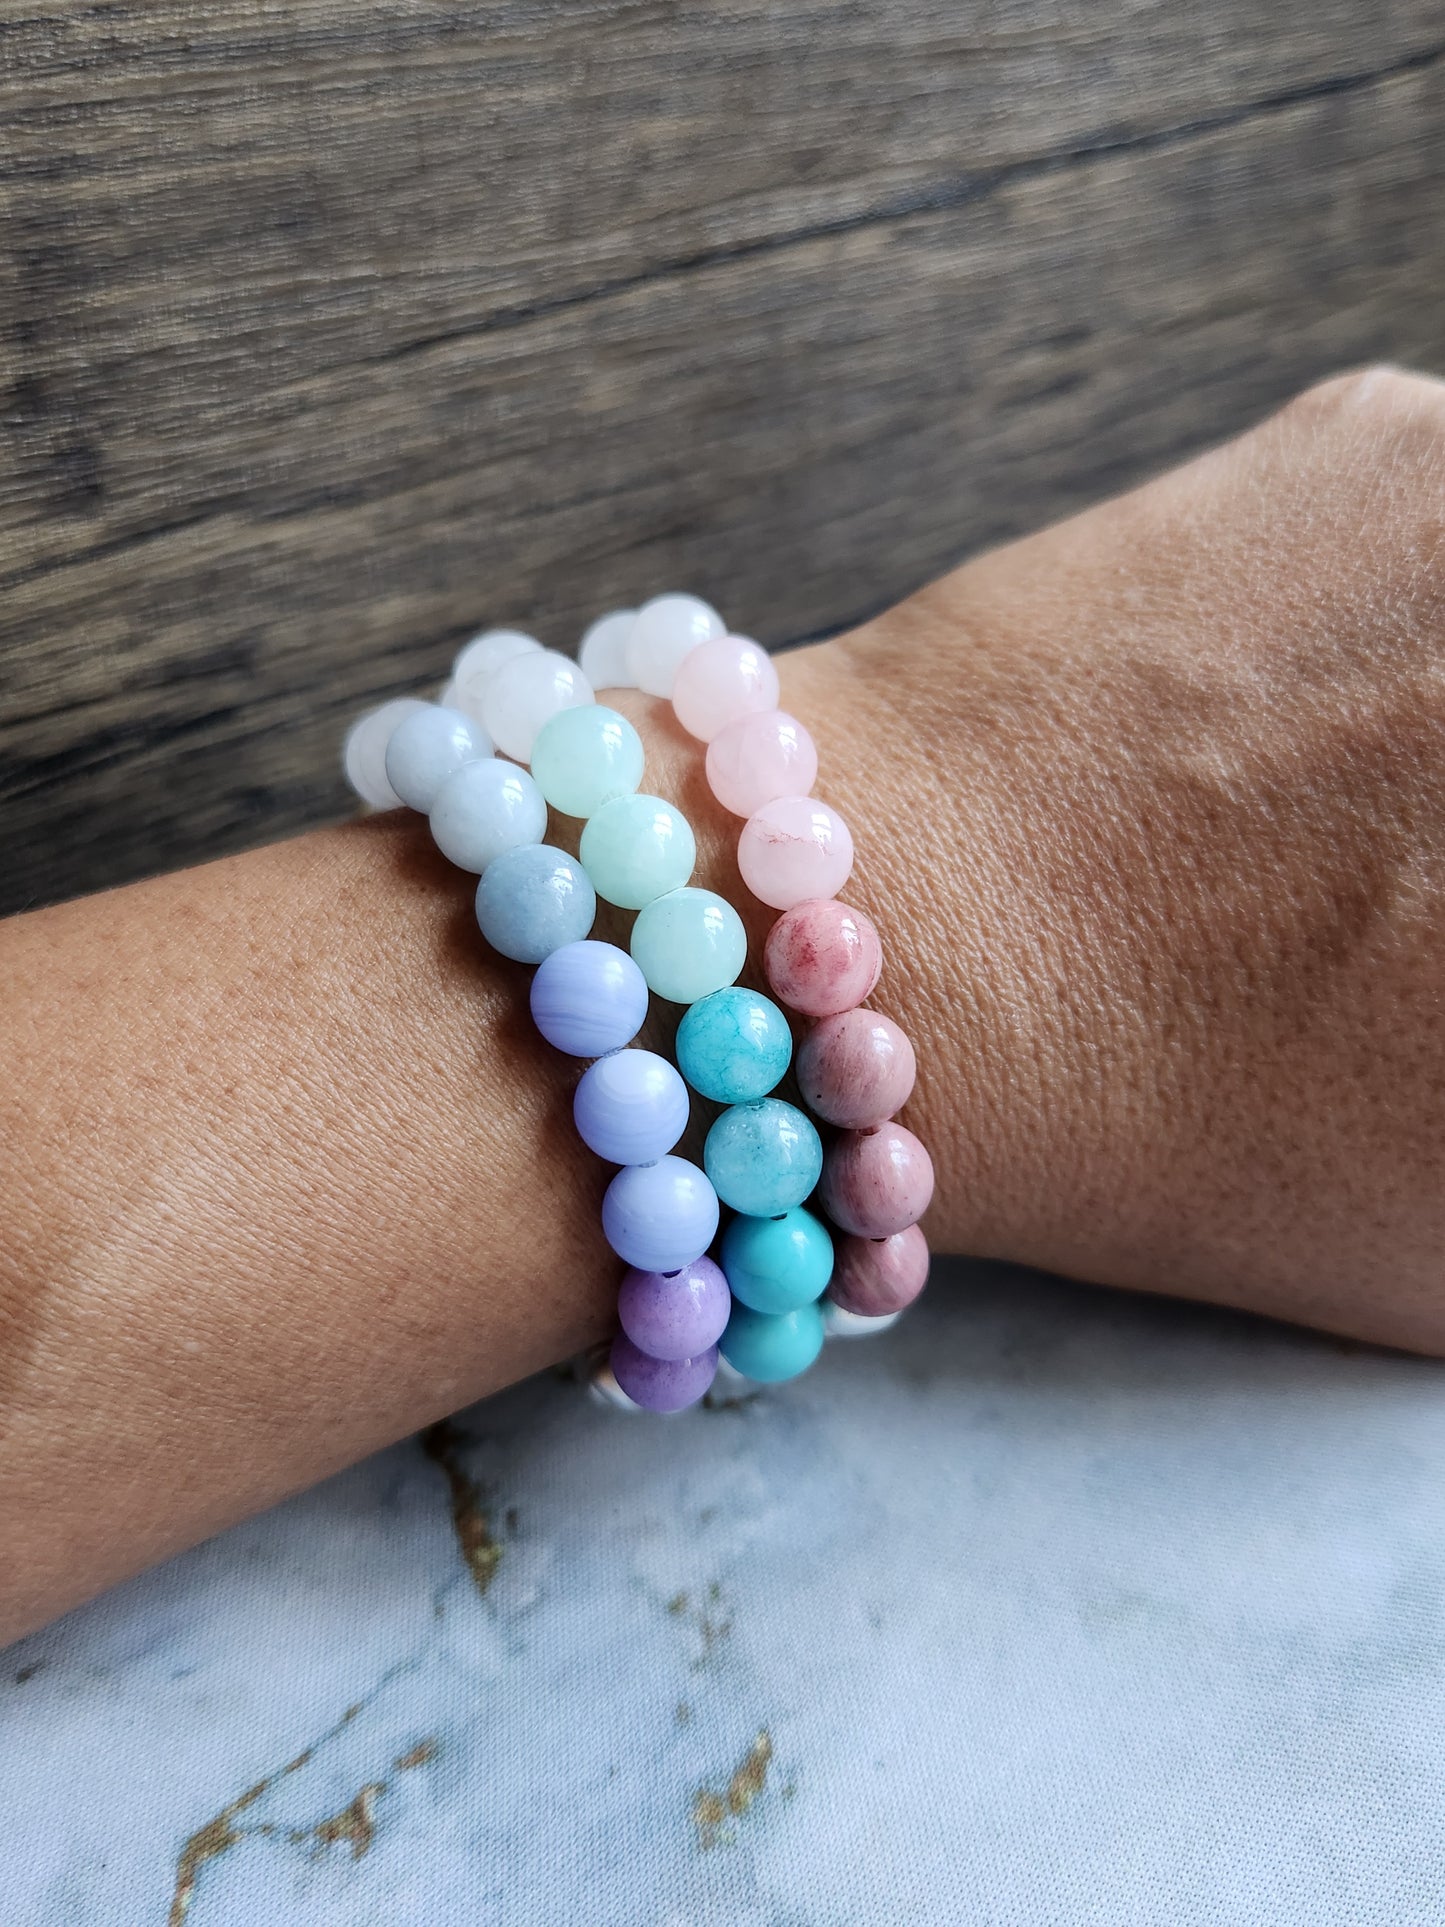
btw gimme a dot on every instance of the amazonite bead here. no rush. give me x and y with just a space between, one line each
583 758
689 944
763 1158
637 848
533 900
667 629
525 692
734 1046
429 745
602 651
776 1264
363 756
769 1347
484 808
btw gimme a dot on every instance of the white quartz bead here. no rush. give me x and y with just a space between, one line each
602 651
838 1323
363 756
426 747
480 659
485 808
525 692
667 629
604 1389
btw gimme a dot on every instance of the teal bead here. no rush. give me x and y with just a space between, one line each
734 1046
772 1346
777 1264
586 757
763 1158
689 944
637 848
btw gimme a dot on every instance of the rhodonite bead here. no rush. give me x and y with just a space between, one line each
637 848
667 629
677 1314
760 757
661 1384
586 757
777 1264
794 848
589 998
734 1046
878 1276
688 944
532 900
721 680
822 957
763 1158
856 1069
363 755
772 1346
427 746
660 1217
480 659
630 1107
525 691
602 651
877 1182
484 808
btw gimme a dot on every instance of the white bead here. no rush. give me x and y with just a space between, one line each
666 629
480 659
605 1390
468 701
838 1323
426 747
485 808
525 692
602 651
363 755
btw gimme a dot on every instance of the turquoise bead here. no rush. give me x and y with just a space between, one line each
637 848
689 944
734 1046
777 1264
763 1158
772 1346
586 757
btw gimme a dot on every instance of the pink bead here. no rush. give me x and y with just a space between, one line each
721 680
793 849
822 957
759 757
877 1182
874 1277
855 1069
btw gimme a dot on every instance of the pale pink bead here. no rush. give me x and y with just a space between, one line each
794 848
720 681
877 1182
856 1069
875 1277
759 757
821 957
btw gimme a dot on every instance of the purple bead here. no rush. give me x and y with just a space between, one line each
675 1314
589 998
661 1384
660 1216
631 1107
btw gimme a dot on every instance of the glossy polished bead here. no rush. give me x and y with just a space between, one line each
589 998
794 848
877 1182
484 808
630 1107
637 848
661 1384
688 944
838 1323
875 1277
721 680
363 755
769 1347
776 1264
480 659
763 1158
856 1069
602 651
660 1217
758 758
823 957
734 1046
675 1315
524 692
586 757
532 900
667 629
429 745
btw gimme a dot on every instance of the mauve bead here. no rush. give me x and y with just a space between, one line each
630 1107
661 1384
589 998
856 1069
794 848
721 680
874 1277
675 1314
877 1182
759 757
823 958
660 1216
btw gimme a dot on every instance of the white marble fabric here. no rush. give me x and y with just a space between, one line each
1048 1606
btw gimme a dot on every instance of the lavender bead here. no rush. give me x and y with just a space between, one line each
676 1314
589 998
631 1107
660 1217
661 1384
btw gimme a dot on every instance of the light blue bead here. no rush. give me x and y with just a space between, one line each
532 900
734 1046
637 848
689 944
777 1264
484 808
764 1157
660 1217
772 1346
631 1107
427 747
589 998
586 757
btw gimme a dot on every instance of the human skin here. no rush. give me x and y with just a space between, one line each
1150 812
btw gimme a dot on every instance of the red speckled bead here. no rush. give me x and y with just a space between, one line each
856 1069
875 1277
822 958
877 1182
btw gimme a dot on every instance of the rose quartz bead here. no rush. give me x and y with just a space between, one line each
856 1069
720 681
793 849
759 757
822 958
877 1182
875 1277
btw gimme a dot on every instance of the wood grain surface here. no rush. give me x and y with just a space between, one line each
332 331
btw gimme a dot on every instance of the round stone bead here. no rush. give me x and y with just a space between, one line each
363 756
877 1182
630 1107
586 757
602 651
637 848
856 1069
429 745
532 900
776 1264
660 1217
667 629
524 692
734 1046
771 1346
688 944
721 680
480 659
763 1158
879 1277
603 1389
675 1315
661 1384
758 758
484 808
838 1323
589 998
794 848
822 957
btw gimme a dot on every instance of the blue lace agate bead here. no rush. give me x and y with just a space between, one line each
427 747
631 1107
660 1217
734 1046
533 900
777 1264
764 1157
772 1346
589 998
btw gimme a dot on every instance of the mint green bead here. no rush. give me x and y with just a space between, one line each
734 1046
772 1346
689 944
777 1264
763 1158
637 848
586 757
